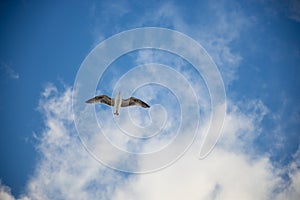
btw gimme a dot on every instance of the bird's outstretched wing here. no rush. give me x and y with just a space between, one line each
132 101
102 99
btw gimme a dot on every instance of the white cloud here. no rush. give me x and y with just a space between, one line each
234 174
5 193
66 171
229 172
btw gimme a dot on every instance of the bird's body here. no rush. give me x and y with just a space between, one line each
118 102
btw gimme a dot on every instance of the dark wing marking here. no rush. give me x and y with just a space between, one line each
125 102
137 102
102 99
107 100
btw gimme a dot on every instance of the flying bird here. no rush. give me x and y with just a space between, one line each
118 102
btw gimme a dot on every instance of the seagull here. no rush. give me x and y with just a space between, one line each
118 102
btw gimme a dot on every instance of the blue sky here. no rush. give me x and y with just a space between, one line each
255 45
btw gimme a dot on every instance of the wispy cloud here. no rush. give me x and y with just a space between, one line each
9 71
294 8
216 33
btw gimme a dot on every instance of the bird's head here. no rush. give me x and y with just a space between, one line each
119 94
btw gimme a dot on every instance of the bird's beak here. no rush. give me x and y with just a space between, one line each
92 100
